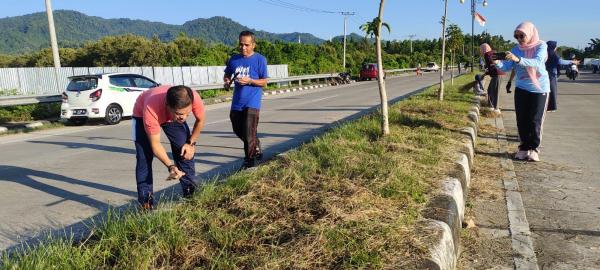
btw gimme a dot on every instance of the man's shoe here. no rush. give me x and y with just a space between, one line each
248 163
522 155
147 207
533 156
259 153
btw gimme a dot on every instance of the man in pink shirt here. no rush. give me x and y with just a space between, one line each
167 108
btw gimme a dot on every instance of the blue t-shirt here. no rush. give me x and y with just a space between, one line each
255 67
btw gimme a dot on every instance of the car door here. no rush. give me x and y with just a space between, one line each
141 84
123 91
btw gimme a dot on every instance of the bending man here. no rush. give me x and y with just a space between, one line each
167 108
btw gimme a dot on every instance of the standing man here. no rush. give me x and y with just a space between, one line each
167 108
248 70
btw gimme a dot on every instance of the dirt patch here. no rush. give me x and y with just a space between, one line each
485 240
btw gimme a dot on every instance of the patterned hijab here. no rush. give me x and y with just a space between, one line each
532 42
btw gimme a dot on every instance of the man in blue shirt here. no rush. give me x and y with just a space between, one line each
248 70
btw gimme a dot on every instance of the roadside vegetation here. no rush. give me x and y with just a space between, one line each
29 112
131 50
347 199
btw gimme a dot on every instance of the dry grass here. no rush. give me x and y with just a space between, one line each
346 200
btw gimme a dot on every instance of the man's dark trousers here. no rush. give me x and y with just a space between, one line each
244 125
178 134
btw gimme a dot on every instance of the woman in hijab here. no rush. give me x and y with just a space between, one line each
552 66
532 88
490 69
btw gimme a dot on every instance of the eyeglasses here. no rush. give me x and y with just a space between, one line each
519 36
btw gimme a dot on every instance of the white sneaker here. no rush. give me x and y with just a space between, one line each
533 156
522 155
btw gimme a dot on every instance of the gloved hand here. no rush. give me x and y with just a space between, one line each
508 86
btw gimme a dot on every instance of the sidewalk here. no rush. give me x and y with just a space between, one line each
561 194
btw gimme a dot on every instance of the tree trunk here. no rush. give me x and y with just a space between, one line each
385 125
441 90
452 54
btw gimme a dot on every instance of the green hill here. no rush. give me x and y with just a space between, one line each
29 33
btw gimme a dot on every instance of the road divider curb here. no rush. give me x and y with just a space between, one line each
444 214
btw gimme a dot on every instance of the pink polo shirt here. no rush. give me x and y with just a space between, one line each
151 105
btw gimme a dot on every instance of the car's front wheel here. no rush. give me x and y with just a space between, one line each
114 114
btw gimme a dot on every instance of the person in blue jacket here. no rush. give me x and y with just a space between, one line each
552 66
532 88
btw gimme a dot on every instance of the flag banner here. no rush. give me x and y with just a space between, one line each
480 19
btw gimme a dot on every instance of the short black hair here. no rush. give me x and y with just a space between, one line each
247 33
179 97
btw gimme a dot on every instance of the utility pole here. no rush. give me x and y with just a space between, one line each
346 14
411 36
52 32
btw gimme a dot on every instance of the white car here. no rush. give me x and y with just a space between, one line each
432 66
110 96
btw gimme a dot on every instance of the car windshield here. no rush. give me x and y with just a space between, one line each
430 64
82 84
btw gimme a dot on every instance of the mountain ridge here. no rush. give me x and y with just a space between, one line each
28 33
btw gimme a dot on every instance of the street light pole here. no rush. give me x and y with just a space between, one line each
411 36
52 33
472 34
346 14
473 11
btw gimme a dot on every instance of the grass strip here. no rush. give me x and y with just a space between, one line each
347 199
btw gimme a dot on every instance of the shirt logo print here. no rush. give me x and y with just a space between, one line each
242 71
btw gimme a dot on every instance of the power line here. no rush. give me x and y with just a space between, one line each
288 5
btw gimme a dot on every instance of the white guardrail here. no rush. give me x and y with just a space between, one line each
34 99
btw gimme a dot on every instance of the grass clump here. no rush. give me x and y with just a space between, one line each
345 200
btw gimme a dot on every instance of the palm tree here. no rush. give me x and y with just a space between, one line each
373 28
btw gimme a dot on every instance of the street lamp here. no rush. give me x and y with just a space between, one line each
473 10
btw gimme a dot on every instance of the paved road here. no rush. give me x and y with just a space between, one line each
561 194
56 178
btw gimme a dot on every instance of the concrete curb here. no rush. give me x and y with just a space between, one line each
31 125
210 101
445 212
524 256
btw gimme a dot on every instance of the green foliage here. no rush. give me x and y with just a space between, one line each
8 92
371 28
29 112
593 50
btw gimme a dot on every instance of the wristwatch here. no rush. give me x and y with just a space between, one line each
190 142
170 166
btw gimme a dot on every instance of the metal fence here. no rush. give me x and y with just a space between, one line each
51 81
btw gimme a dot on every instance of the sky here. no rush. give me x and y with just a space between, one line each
571 23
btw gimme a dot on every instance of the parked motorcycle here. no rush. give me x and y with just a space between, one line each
341 78
572 72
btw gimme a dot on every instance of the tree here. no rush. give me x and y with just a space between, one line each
594 49
373 28
455 40
441 90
